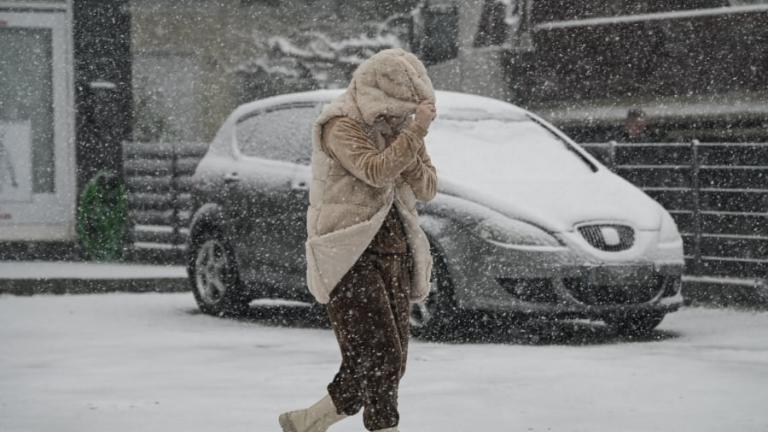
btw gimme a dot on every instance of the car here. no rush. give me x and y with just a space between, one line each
525 221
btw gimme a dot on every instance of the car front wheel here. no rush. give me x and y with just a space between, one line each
214 277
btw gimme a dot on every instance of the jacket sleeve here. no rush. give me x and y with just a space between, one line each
421 175
345 140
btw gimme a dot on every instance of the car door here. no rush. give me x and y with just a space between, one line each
270 202
256 188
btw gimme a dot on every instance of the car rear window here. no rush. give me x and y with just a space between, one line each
282 133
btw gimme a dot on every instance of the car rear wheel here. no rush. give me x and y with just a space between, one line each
214 277
635 324
435 315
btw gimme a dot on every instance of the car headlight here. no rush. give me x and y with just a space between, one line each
668 233
514 233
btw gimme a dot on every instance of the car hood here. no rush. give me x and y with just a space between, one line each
511 164
557 205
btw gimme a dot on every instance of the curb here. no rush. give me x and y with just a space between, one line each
27 287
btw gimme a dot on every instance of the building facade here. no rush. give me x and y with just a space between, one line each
195 60
65 107
37 133
696 67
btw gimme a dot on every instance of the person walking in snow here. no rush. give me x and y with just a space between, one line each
367 257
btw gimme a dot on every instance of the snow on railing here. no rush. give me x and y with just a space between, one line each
656 16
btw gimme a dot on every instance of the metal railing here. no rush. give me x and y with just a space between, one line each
157 177
716 192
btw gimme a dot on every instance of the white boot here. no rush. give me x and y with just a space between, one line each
317 418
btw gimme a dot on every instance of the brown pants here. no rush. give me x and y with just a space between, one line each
369 313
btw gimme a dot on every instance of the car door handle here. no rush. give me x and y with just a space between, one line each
299 185
232 177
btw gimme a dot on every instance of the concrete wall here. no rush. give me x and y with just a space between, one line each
189 54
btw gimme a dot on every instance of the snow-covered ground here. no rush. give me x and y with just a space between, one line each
151 362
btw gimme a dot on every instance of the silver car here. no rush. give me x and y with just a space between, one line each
525 221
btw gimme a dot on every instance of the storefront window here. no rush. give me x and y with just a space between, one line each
26 108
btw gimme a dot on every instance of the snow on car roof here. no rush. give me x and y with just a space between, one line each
446 100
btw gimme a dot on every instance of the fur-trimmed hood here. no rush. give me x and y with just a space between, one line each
391 82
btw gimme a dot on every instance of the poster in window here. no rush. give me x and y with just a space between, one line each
15 161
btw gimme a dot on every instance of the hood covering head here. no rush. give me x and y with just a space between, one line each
391 82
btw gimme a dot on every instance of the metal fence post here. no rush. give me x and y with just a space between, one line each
696 197
130 232
612 155
174 194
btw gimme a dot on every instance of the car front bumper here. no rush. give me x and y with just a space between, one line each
567 281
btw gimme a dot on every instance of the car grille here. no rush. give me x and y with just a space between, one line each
599 295
595 235
530 290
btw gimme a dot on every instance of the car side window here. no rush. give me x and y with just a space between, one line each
281 133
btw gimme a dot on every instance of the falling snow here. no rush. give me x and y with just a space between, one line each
154 142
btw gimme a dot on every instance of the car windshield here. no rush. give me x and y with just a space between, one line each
488 147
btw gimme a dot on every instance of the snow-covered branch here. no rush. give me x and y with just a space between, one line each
311 59
318 47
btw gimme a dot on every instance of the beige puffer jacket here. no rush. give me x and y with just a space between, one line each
352 191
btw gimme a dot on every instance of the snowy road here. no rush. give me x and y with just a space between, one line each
151 362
